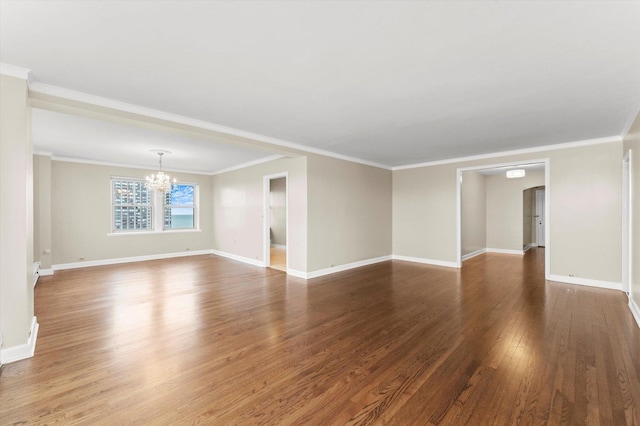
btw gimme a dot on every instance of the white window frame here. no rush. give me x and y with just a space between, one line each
157 211
113 207
196 203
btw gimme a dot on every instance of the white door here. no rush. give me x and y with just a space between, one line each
540 217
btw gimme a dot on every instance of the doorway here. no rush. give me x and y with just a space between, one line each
276 229
487 169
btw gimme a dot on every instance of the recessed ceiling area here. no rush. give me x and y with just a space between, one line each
82 138
494 171
392 83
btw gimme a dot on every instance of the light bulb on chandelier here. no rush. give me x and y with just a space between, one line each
160 181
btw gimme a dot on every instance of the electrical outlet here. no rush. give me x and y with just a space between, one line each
81 258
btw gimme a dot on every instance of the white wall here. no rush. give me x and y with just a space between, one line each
349 212
278 211
585 210
505 209
238 209
81 216
474 212
42 210
16 214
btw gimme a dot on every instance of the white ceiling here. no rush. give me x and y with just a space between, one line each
393 83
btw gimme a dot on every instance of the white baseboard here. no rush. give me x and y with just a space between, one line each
505 251
16 353
36 269
635 311
426 261
295 273
281 246
45 272
526 248
243 259
346 266
115 261
474 254
585 281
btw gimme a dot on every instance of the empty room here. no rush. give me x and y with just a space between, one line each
319 213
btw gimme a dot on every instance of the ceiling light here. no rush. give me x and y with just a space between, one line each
160 182
515 173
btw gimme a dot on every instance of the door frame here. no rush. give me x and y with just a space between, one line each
543 214
547 206
266 216
627 222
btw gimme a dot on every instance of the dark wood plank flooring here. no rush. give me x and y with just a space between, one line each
206 340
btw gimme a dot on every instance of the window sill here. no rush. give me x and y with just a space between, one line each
168 231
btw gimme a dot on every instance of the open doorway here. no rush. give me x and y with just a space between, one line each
275 222
492 213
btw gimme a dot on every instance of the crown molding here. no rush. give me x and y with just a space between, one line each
111 164
566 145
46 89
15 71
627 127
248 164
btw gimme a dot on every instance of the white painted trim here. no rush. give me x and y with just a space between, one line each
24 351
554 147
89 263
505 251
627 222
281 246
473 254
45 272
635 311
242 259
248 164
433 262
527 247
627 127
346 266
586 282
63 93
295 273
36 274
14 71
122 165
266 215
166 231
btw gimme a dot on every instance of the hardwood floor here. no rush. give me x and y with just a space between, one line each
278 258
206 340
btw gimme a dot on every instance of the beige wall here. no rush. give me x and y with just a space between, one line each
504 209
16 213
424 213
585 210
632 142
349 212
42 210
81 216
238 208
473 212
278 211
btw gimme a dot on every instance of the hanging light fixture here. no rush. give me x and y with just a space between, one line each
160 181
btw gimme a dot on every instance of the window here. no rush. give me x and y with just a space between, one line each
132 206
179 207
137 209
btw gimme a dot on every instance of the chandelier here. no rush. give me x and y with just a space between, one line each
160 181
